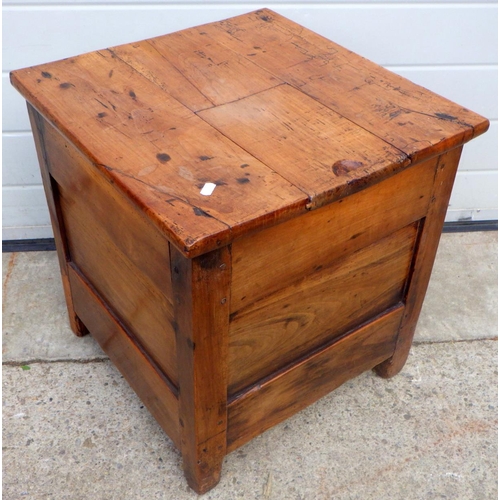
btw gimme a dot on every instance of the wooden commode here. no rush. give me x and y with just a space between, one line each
246 216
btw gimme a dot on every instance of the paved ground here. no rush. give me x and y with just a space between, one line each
72 428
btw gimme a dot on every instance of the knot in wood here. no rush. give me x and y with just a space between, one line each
343 167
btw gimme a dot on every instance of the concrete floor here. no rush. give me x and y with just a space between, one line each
72 428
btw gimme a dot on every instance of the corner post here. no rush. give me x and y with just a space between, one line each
201 289
446 169
37 126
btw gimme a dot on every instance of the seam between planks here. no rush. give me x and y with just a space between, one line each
282 82
256 386
282 28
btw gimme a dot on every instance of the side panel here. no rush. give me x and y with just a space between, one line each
315 376
154 390
119 252
279 328
276 257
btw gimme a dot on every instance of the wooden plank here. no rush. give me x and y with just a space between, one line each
298 386
60 237
282 327
184 64
152 388
202 297
130 231
158 152
145 58
315 148
407 116
278 256
424 261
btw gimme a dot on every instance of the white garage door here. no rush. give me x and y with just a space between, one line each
448 47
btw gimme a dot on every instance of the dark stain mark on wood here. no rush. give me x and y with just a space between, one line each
46 74
354 236
250 55
267 19
38 80
66 85
343 167
256 48
201 213
110 74
132 95
209 260
163 157
318 268
244 165
205 158
191 344
247 173
172 128
394 114
102 115
446 117
242 180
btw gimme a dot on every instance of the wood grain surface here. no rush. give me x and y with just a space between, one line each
279 328
201 299
119 251
130 231
196 69
279 397
415 120
160 154
278 256
321 152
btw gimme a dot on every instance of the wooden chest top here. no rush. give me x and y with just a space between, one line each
280 119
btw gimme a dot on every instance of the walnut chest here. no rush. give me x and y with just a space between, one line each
246 216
